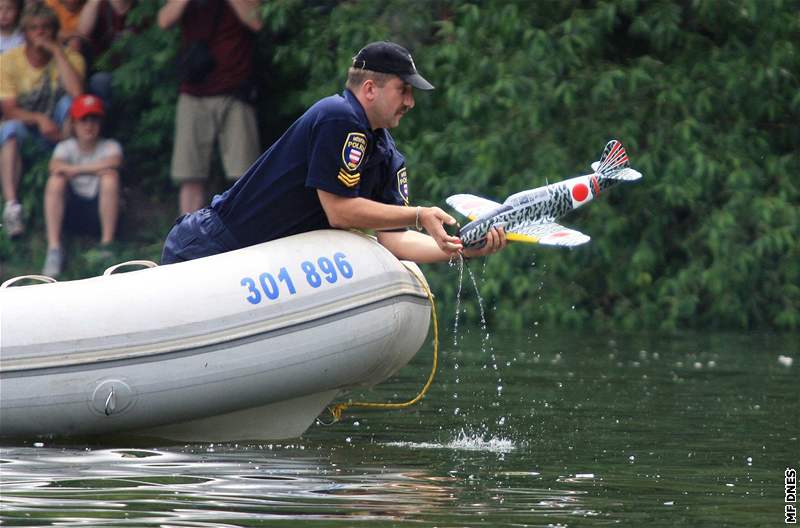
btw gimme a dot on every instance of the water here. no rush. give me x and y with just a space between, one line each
587 430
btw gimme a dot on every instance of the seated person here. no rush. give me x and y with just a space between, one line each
10 34
68 13
37 83
83 189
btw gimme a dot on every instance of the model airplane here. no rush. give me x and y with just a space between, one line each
529 216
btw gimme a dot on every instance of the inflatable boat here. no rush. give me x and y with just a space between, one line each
251 344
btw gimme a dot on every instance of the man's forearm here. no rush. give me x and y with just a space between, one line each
70 78
247 11
361 213
412 245
88 18
20 114
171 12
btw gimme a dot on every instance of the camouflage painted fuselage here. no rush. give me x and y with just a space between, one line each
540 205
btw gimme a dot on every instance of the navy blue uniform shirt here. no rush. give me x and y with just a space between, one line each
331 147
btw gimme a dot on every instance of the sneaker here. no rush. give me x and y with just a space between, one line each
12 219
53 262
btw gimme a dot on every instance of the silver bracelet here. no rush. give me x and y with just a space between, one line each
417 221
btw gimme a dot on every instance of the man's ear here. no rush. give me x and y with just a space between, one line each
369 89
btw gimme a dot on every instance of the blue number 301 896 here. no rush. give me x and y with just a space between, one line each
325 270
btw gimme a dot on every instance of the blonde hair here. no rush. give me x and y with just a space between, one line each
37 10
357 76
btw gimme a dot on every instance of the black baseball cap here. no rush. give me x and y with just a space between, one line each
388 57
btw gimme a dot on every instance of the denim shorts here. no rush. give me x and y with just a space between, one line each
17 129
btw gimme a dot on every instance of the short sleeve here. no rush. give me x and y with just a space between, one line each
109 148
77 62
62 151
9 64
394 187
337 152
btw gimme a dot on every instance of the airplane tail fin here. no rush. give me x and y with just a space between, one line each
614 163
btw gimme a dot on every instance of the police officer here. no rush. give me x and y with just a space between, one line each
336 166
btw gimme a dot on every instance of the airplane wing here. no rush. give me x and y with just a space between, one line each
550 234
471 206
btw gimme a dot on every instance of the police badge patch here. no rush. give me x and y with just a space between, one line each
354 150
402 184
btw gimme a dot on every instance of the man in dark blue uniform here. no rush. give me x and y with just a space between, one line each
336 166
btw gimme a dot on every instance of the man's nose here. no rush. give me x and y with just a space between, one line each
408 100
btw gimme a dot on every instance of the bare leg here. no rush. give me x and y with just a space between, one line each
109 205
10 169
192 196
55 192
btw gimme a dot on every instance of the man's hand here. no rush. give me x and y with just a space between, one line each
48 129
495 241
45 43
432 219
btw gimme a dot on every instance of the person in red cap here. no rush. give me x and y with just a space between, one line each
82 192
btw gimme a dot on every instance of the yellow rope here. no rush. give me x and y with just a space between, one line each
337 409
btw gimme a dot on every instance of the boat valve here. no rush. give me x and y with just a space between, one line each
111 402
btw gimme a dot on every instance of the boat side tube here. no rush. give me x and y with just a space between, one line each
282 321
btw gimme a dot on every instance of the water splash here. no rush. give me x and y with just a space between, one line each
465 441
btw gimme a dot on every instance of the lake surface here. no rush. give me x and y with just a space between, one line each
523 429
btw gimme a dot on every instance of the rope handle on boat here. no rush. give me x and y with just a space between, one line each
40 278
336 410
144 263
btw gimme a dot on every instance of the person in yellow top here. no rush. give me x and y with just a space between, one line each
37 84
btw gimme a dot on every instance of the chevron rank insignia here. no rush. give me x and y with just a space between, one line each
349 180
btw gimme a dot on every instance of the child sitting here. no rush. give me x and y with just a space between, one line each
82 192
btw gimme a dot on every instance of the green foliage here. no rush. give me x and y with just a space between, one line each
705 96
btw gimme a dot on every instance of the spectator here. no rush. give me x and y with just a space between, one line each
37 82
82 192
10 34
68 13
101 23
213 105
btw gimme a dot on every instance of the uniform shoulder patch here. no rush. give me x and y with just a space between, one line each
354 150
402 184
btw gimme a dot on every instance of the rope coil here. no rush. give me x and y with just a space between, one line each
336 410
